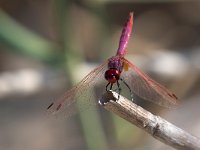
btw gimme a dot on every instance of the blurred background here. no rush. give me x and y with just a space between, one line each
46 46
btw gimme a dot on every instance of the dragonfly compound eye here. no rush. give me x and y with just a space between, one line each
112 75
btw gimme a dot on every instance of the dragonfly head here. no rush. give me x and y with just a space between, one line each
112 75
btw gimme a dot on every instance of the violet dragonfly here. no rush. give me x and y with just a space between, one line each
116 70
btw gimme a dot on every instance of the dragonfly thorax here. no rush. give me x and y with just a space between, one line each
115 63
112 75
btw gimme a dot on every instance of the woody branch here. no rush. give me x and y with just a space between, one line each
154 125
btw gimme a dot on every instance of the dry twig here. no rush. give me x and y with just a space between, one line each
154 125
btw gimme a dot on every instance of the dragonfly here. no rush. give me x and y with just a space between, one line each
116 70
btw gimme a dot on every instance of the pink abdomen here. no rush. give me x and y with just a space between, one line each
126 32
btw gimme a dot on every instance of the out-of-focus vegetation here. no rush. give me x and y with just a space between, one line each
48 46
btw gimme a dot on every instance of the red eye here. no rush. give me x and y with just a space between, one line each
112 75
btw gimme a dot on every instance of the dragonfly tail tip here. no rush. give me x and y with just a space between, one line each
131 14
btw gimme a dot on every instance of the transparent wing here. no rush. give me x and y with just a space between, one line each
146 88
81 94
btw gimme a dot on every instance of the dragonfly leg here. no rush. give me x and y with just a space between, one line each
131 93
107 86
119 89
111 85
